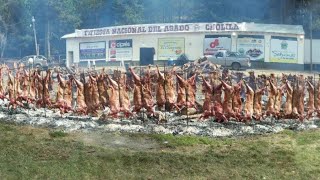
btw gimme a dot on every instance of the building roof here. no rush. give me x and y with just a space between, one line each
275 28
187 28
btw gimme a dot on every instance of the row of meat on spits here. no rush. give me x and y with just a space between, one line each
233 105
223 98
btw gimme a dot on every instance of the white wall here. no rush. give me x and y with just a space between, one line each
315 51
193 44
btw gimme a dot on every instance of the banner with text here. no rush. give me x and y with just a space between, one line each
284 51
120 50
252 47
92 51
161 28
170 48
212 45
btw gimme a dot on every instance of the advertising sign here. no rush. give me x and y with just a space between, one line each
162 28
212 45
170 48
252 47
92 51
120 50
284 50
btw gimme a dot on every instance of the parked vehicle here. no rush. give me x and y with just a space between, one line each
60 63
230 59
35 61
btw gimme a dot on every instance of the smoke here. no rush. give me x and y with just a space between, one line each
102 13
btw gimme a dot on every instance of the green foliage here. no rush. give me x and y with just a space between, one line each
58 134
127 12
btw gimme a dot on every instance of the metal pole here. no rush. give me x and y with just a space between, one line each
14 89
118 82
29 86
35 35
314 93
311 63
141 89
166 102
186 90
43 93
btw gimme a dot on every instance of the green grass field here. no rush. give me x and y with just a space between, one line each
31 153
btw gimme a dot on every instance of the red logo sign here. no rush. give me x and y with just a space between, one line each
215 43
113 44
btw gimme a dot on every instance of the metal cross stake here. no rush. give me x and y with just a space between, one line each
186 91
14 89
141 89
43 92
117 76
166 104
29 87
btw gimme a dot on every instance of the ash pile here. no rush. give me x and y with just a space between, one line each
176 125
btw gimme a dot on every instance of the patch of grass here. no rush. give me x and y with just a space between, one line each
177 141
58 134
309 137
289 133
25 155
6 127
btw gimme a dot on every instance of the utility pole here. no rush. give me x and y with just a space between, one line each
311 63
48 40
179 10
35 36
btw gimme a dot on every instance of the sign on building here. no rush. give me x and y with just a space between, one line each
120 50
284 50
252 46
170 48
92 51
213 43
162 28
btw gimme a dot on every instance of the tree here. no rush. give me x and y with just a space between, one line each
10 22
127 11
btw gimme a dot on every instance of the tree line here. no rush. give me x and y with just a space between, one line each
54 18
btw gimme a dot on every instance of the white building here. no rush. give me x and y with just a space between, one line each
266 44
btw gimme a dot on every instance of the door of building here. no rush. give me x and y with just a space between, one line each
70 59
146 56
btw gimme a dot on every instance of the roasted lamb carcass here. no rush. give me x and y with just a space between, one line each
186 89
236 100
11 87
3 68
248 107
95 103
272 93
311 99
170 90
227 101
102 88
137 92
63 97
257 106
218 112
161 91
208 99
81 104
